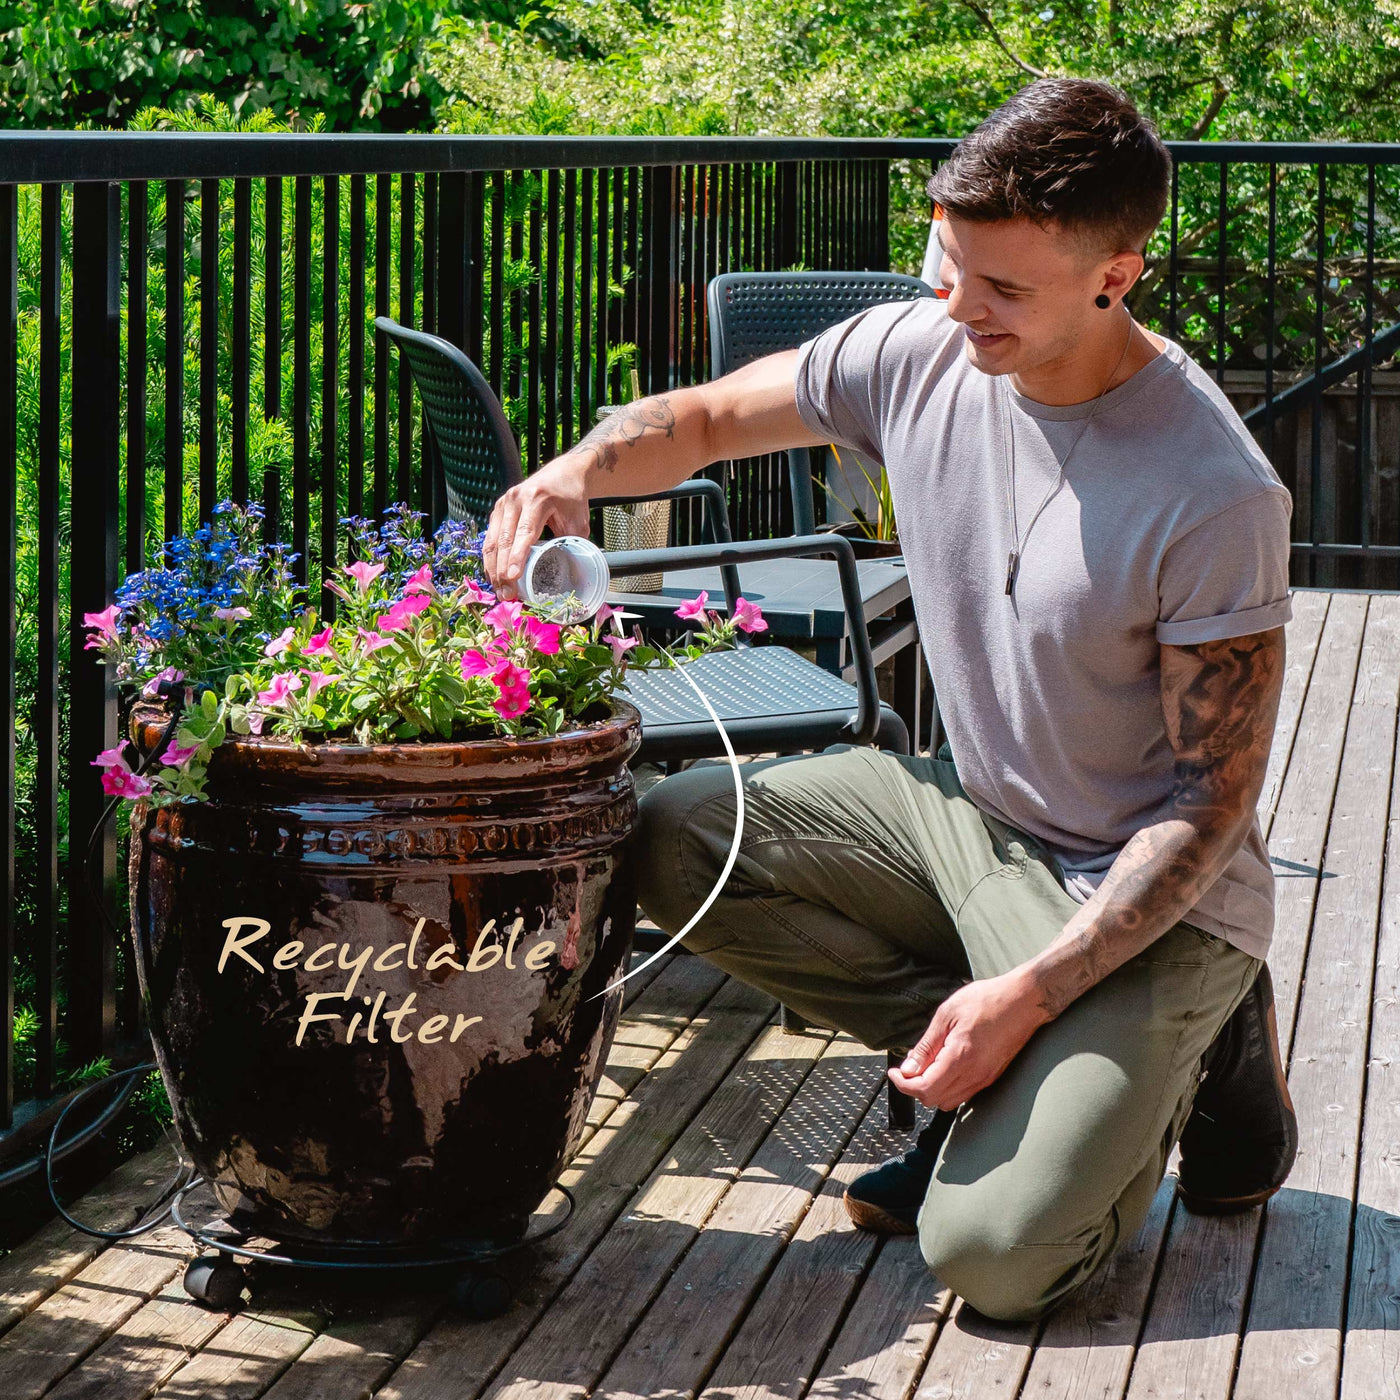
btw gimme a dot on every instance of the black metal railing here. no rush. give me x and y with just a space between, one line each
189 317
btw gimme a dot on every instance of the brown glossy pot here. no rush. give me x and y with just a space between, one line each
414 1136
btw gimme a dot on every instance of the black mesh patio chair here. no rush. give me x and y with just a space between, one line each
473 443
768 697
753 314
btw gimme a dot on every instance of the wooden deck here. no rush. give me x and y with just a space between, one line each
710 1254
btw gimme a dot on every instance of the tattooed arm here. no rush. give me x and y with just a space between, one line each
645 447
1220 701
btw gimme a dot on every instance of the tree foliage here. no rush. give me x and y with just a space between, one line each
97 62
1271 70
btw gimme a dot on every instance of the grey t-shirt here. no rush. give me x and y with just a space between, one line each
1170 527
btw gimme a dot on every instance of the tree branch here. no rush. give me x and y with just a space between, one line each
1211 112
991 29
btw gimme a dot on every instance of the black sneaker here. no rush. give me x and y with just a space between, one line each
887 1198
1240 1140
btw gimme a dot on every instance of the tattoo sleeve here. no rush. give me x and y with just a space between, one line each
1220 702
624 429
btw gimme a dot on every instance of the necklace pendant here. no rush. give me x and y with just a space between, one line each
1012 561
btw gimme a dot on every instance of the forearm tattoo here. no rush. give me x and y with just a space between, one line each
623 429
1220 701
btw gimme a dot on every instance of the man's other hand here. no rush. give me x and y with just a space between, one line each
972 1038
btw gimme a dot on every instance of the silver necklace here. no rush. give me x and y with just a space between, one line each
1018 541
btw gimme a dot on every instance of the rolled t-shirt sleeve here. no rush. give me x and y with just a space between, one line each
837 382
1228 577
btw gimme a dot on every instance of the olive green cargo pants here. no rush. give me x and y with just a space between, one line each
867 888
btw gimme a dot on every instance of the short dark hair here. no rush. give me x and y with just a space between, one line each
1069 151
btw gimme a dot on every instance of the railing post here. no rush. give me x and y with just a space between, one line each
662 279
453 251
882 218
95 495
9 472
785 216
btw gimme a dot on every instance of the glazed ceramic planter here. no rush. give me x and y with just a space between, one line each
370 973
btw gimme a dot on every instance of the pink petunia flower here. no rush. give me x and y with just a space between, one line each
255 722
315 680
544 636
110 758
122 782
105 621
620 646
231 614
512 702
151 689
747 617
280 690
372 641
280 644
364 573
513 682
476 662
509 676
420 582
174 756
402 612
318 644
477 594
694 607
505 616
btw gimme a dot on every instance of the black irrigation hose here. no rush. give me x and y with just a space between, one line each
160 1206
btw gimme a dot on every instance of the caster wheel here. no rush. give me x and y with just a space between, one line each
217 1283
481 1295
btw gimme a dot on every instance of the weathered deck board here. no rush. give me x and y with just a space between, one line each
791 1323
711 1256
1304 634
686 1326
1292 1343
1371 1352
884 1343
593 1317
1191 1337
76 1319
49 1258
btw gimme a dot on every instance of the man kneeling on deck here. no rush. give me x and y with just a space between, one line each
1065 925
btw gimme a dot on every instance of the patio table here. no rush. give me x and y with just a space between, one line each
801 602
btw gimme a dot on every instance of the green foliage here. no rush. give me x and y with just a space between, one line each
351 65
1280 70
1295 70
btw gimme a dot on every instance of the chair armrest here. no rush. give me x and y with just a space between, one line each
689 556
715 513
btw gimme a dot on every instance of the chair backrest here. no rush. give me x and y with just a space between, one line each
753 314
472 436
